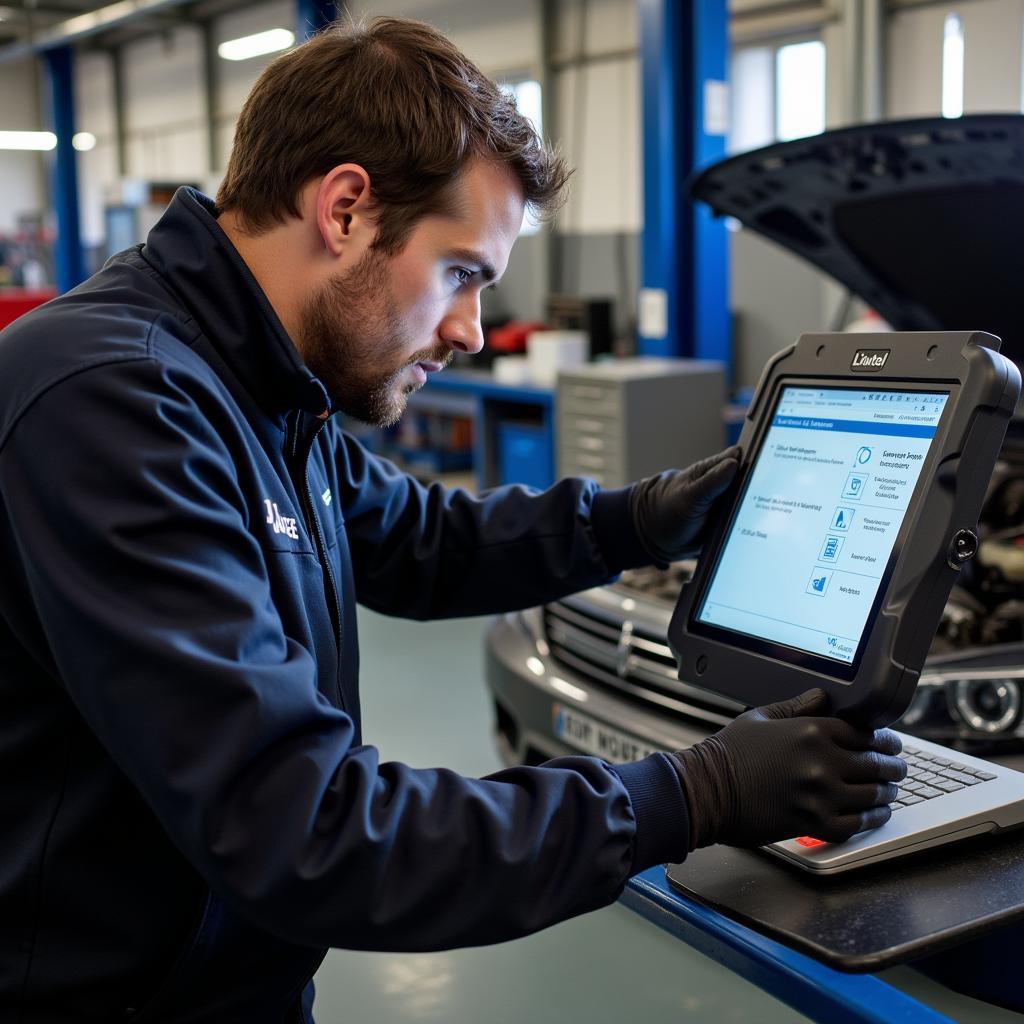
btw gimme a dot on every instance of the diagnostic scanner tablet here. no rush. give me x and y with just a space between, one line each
865 464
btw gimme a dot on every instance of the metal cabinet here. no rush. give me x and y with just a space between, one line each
628 418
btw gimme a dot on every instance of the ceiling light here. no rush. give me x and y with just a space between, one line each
255 46
83 141
27 140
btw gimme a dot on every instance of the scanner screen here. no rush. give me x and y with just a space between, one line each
819 516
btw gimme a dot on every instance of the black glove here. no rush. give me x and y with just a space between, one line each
670 509
776 773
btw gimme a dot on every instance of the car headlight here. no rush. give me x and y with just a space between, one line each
978 708
990 706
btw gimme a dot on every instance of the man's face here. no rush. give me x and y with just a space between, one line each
373 333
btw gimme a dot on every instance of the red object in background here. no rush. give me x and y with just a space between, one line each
810 842
511 337
16 301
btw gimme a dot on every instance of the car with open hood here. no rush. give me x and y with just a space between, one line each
921 220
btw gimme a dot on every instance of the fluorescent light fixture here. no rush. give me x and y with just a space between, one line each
83 141
28 140
953 67
256 46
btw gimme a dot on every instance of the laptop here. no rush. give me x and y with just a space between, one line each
946 796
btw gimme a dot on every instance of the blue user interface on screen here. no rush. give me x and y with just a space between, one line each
820 515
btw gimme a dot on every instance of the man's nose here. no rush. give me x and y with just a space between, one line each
461 329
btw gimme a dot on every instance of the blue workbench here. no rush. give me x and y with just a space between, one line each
514 425
955 913
815 990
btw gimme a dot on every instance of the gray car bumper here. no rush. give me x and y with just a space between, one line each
529 689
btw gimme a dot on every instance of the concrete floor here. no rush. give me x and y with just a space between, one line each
425 704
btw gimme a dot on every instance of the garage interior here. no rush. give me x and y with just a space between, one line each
627 335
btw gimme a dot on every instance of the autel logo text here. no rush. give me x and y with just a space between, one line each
867 360
280 523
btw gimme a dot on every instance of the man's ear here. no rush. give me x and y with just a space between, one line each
344 210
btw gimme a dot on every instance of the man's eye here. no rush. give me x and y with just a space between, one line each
462 275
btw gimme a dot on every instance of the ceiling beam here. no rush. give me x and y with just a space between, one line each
88 24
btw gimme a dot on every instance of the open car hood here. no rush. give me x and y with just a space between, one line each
922 219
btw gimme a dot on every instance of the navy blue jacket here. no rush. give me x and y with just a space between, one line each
189 813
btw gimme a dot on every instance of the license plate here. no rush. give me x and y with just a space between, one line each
594 737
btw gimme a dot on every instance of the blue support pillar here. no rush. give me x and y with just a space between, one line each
70 265
313 15
684 301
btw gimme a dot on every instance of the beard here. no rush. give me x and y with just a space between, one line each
353 338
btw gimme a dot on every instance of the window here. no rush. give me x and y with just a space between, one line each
752 118
800 90
527 95
953 67
777 93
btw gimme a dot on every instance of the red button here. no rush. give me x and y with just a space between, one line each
809 842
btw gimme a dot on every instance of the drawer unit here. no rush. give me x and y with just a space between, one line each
591 426
576 463
628 418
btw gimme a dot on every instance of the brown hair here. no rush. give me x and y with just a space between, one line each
399 99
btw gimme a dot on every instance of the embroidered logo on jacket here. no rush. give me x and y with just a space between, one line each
280 523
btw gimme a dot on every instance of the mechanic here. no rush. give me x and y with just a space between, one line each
190 814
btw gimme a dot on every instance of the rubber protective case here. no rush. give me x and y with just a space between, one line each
983 391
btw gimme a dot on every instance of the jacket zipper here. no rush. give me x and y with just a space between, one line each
301 467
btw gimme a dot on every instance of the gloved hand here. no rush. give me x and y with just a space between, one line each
670 509
777 772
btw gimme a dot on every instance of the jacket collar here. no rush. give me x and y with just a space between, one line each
196 257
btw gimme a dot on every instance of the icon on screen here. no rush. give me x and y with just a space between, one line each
819 581
863 455
831 548
841 518
855 484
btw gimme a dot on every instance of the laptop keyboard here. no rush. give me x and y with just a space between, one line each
930 776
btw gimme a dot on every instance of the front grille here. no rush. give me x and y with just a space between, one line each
635 663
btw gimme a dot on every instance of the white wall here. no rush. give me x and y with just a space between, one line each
236 78
21 173
993 34
498 36
165 116
914 62
599 115
610 25
97 168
